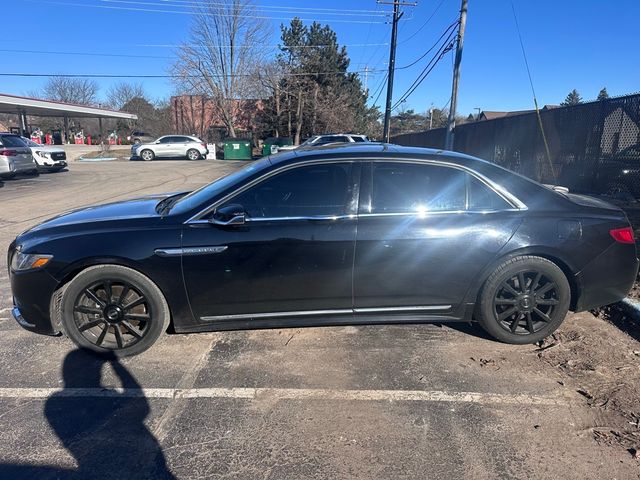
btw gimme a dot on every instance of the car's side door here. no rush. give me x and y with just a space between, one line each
181 146
291 254
165 147
425 232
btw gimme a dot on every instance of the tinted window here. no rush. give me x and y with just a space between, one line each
315 190
482 197
406 188
12 141
331 139
167 140
183 140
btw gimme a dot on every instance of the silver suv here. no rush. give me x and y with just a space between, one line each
171 146
15 156
318 140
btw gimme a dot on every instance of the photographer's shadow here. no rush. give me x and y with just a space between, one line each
103 429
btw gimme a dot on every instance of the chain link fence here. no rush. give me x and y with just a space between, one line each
594 147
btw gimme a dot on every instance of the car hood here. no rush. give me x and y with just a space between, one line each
144 207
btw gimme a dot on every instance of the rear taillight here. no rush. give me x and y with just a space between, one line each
622 235
204 145
8 153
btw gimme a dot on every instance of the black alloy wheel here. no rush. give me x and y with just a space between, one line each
524 303
112 314
524 300
111 309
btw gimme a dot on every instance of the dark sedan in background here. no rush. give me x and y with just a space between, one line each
368 233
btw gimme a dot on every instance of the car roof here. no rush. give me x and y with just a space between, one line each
365 151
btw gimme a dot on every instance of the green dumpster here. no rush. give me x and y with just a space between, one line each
271 144
235 149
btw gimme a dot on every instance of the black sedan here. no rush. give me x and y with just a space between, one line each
360 234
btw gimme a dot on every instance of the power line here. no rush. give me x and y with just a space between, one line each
191 4
165 57
157 10
424 24
442 51
258 7
109 75
453 25
380 89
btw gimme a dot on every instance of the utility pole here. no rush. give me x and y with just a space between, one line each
392 63
451 123
366 80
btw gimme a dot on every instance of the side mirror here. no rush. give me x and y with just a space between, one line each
229 215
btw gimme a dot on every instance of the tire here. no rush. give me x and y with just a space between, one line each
193 154
95 316
34 172
8 176
516 315
147 155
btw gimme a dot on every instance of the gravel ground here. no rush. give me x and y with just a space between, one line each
412 401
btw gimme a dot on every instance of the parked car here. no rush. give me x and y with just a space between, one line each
319 140
619 174
47 157
15 156
140 137
362 234
171 146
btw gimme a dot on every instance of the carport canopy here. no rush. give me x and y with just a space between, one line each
48 108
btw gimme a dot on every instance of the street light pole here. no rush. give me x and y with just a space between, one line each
451 123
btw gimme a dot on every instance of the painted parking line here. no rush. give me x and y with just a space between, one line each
290 394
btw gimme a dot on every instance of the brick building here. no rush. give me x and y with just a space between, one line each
196 115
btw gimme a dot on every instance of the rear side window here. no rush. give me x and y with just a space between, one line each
416 188
482 197
310 191
12 141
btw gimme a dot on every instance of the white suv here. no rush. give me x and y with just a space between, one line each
318 140
172 146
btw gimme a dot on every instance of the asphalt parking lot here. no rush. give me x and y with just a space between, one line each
413 401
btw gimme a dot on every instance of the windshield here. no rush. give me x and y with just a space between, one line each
211 190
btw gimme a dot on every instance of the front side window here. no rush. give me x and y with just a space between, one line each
309 191
420 188
166 140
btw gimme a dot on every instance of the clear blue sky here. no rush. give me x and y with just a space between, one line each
582 44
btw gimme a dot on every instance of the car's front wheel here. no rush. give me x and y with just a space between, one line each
112 309
524 300
147 155
193 154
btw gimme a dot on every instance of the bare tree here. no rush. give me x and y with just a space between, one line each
122 93
71 90
225 43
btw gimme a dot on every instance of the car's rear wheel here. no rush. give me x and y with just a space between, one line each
193 154
112 309
35 172
147 155
524 300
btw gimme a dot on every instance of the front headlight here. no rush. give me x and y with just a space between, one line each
28 261
43 154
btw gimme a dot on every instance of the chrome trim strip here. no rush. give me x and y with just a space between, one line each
17 315
274 314
307 313
176 252
438 212
402 309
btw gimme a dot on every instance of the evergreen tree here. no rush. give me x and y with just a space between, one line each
316 93
603 94
573 98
